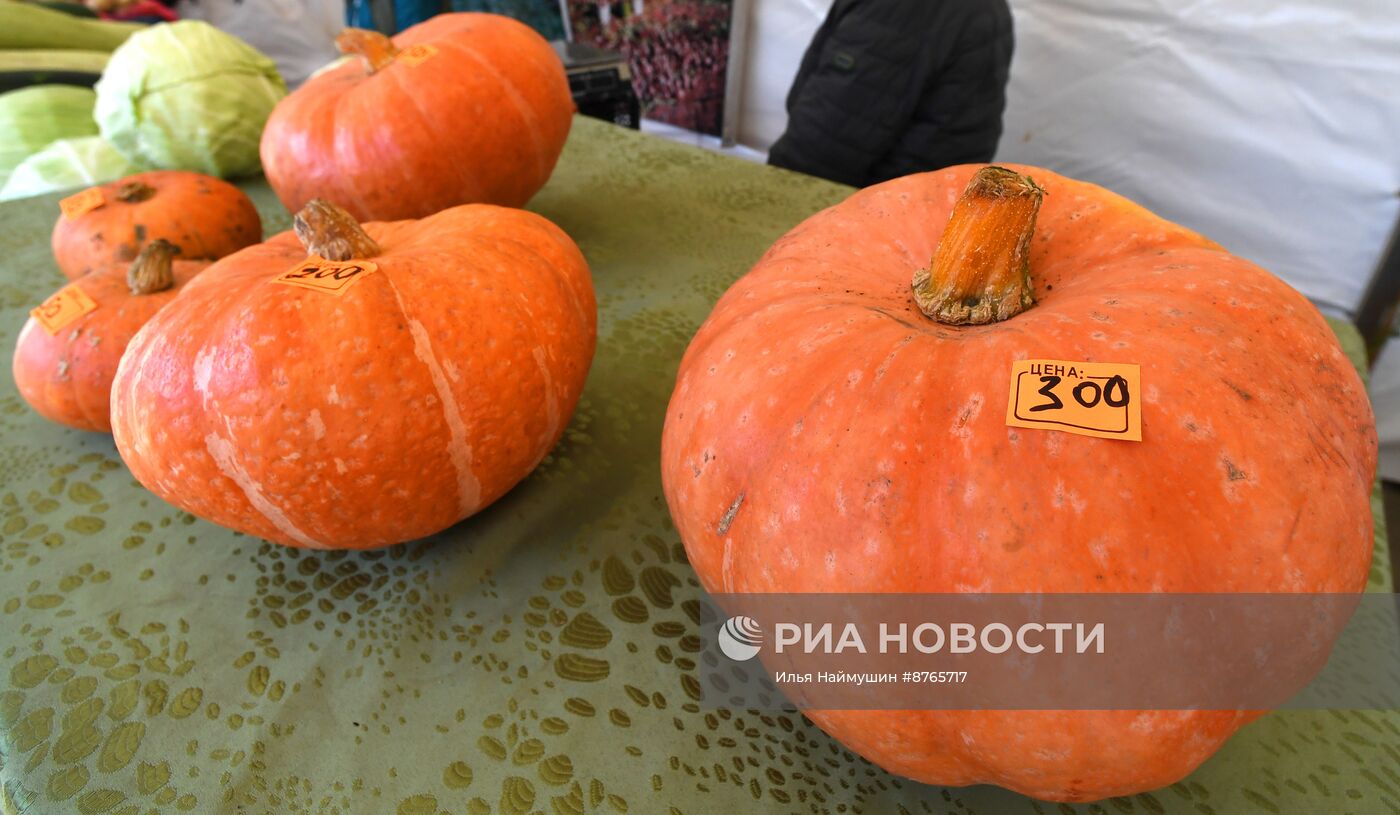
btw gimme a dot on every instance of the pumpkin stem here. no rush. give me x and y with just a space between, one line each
981 271
329 231
374 48
153 269
135 191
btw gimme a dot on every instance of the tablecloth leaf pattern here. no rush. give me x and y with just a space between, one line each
538 658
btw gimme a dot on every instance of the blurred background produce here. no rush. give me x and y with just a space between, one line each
35 25
677 50
85 100
35 66
67 164
187 96
217 81
31 118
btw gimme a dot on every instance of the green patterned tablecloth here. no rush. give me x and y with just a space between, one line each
535 658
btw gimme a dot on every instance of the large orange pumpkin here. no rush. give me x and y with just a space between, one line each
826 435
424 389
463 108
66 376
206 217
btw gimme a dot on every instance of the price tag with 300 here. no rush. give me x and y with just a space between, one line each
1099 399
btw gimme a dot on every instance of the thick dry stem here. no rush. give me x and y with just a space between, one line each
329 231
135 191
153 269
375 49
981 272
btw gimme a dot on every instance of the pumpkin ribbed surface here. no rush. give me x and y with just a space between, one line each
206 217
826 436
67 376
412 400
478 114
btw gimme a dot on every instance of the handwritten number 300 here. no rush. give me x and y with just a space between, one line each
1114 393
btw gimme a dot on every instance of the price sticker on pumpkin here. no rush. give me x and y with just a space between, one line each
414 54
63 307
1098 399
79 203
328 276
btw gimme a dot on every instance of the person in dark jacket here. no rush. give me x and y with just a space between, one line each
892 87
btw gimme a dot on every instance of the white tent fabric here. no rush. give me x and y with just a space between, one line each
778 33
298 35
1269 126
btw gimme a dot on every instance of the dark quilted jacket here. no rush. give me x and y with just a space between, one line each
892 87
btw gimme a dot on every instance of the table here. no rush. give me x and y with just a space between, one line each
529 659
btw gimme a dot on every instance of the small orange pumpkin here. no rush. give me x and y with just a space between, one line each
67 376
462 108
206 217
364 403
834 429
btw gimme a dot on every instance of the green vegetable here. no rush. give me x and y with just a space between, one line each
21 69
67 164
26 25
75 9
186 96
35 59
34 117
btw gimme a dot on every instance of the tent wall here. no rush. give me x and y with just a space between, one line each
1270 127
778 33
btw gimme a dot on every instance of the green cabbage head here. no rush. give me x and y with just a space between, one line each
67 164
32 117
187 96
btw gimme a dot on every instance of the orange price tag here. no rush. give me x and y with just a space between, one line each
1099 399
414 54
63 307
329 276
81 202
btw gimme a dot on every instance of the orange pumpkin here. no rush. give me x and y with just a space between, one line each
205 216
827 435
354 409
66 376
463 108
